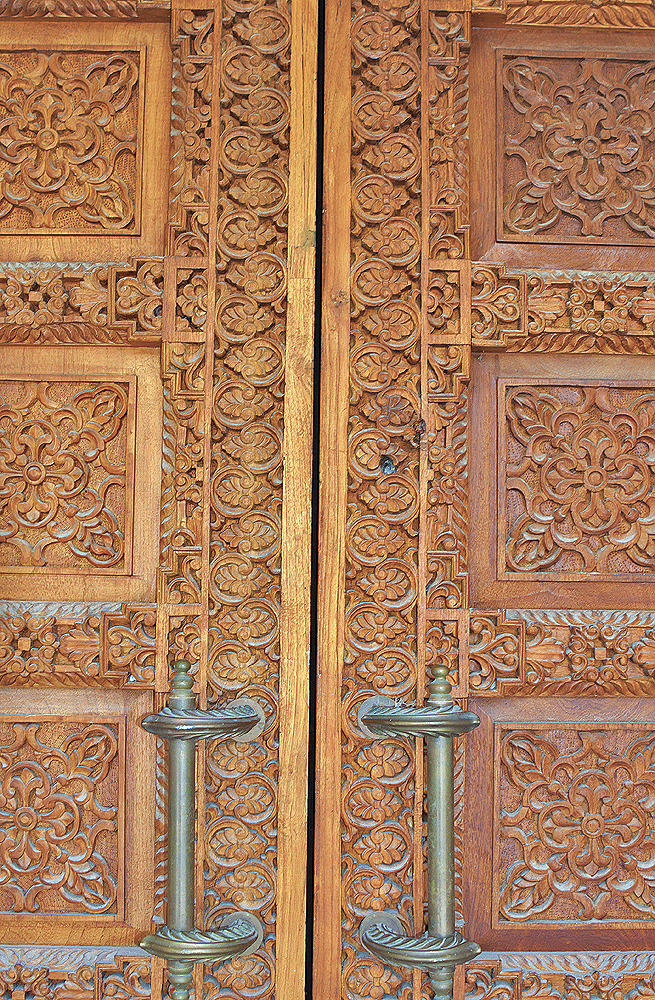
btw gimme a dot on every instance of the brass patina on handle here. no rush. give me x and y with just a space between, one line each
442 948
182 724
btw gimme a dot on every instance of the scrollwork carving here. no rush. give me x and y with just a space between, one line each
68 141
65 453
578 479
246 471
382 582
193 51
59 817
182 472
577 149
575 825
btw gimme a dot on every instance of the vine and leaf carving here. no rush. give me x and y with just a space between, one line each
68 141
576 839
247 432
382 584
59 818
64 453
74 978
537 975
579 477
578 149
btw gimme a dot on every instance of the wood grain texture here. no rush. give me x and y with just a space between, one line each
332 502
209 349
297 508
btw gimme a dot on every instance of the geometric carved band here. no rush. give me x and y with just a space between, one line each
80 303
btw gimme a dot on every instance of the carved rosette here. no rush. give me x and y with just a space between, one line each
60 817
69 124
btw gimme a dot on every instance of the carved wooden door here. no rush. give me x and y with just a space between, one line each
489 380
156 219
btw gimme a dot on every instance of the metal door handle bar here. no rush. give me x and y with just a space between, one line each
442 947
182 724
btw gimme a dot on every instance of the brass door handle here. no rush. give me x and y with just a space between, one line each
442 947
182 724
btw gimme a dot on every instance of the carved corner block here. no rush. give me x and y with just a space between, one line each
498 306
496 653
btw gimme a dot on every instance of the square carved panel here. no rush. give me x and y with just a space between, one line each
574 832
558 826
576 479
80 453
84 137
563 476
575 148
563 140
77 838
71 140
66 467
62 816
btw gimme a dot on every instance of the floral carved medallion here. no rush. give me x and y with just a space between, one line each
65 461
577 479
69 126
575 838
59 816
577 150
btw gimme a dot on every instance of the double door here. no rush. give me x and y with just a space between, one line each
486 480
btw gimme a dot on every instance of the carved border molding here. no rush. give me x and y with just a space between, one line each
511 976
572 13
565 311
102 9
573 653
68 645
81 303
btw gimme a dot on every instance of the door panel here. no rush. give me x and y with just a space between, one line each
156 217
491 340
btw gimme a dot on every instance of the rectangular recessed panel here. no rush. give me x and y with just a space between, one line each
576 472
62 816
574 832
70 140
575 148
66 460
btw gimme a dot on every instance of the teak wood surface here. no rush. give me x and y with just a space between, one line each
487 485
157 222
